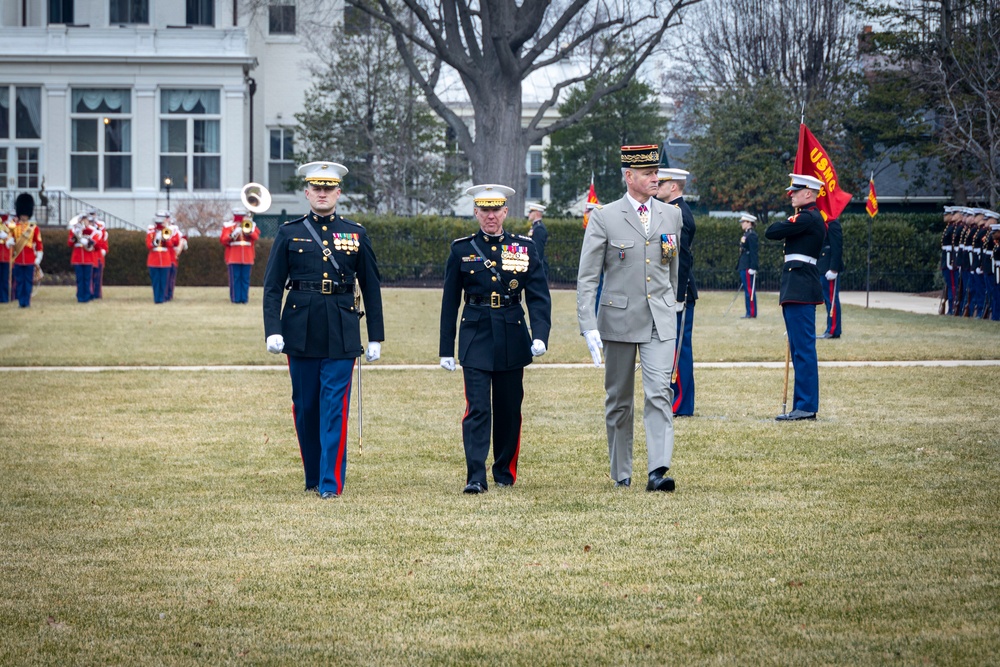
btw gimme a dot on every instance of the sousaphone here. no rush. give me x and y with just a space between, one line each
255 197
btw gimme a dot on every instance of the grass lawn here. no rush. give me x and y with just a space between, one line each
152 517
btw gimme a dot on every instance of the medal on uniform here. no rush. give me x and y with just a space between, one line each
514 258
514 284
668 247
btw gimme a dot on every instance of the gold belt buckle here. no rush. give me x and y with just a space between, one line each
327 287
494 300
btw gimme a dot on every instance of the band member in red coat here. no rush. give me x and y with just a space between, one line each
100 252
6 261
81 238
160 239
27 251
239 238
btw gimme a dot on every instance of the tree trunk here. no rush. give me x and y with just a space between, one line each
500 149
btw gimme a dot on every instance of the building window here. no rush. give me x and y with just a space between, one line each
280 164
60 11
27 167
281 17
20 133
190 145
201 12
101 145
533 167
129 11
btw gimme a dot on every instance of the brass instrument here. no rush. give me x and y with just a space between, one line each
167 232
255 197
247 226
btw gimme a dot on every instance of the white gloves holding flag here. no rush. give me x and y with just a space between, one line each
831 275
537 348
595 345
752 272
275 343
448 363
374 351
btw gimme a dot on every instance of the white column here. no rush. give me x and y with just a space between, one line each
145 153
55 133
234 155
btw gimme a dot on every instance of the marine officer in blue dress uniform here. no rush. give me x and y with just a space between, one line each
321 259
496 271
670 189
747 264
801 290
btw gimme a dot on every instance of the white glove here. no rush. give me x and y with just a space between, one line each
448 363
104 253
275 344
374 351
537 348
752 272
10 242
979 271
680 306
594 344
38 259
831 275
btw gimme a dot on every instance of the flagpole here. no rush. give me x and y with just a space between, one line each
802 118
868 280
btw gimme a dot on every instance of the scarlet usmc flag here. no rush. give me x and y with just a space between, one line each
591 202
812 160
872 204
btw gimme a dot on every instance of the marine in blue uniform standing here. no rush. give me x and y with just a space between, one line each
496 272
830 266
321 259
747 264
671 190
801 290
538 233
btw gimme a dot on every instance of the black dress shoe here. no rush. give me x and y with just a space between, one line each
658 482
627 482
825 334
795 415
326 495
474 487
312 489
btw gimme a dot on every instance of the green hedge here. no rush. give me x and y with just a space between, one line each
413 251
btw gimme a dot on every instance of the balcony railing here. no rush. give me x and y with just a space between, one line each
56 208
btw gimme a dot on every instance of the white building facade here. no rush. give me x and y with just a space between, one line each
125 104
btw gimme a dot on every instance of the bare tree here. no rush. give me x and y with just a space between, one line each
492 47
202 214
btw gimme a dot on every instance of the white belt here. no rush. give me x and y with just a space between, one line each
240 243
946 247
796 257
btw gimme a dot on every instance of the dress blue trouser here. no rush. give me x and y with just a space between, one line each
168 293
4 282
749 293
84 282
683 383
800 324
98 281
159 276
24 282
321 402
831 298
239 282
492 403
965 303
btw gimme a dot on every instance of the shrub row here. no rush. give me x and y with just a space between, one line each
413 251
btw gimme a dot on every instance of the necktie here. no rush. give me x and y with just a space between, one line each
644 217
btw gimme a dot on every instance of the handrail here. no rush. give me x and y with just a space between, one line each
56 208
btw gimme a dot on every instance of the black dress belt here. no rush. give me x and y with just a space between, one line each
321 286
493 300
